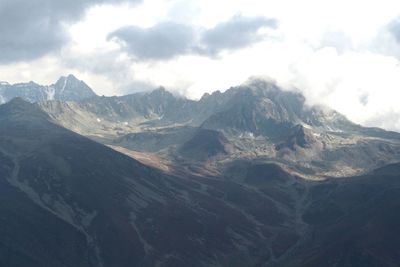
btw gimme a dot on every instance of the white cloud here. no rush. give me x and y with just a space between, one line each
339 53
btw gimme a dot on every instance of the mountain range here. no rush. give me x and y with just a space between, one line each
252 176
65 89
257 119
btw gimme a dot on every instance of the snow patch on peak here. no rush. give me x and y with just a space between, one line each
307 126
50 92
247 135
64 85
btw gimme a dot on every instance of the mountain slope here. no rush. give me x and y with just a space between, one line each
72 180
102 208
339 222
354 222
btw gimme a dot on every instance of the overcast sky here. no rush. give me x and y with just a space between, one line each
344 54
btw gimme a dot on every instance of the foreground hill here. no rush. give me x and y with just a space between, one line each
69 201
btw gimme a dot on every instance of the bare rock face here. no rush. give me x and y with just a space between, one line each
298 138
264 109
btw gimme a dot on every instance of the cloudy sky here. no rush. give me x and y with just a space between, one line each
344 54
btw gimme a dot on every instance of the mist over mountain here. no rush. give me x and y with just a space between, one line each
249 177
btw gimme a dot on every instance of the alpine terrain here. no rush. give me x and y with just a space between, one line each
252 176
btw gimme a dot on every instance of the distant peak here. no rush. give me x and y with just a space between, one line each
205 96
70 88
260 84
32 83
72 77
257 81
69 77
161 91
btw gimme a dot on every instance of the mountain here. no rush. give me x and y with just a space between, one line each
66 89
259 107
258 118
226 197
262 108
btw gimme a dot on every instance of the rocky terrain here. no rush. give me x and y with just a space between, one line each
258 119
249 177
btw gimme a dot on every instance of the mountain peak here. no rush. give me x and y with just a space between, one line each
69 77
70 88
161 93
32 83
262 83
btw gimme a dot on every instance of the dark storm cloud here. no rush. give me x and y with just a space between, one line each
32 28
236 33
162 41
168 40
